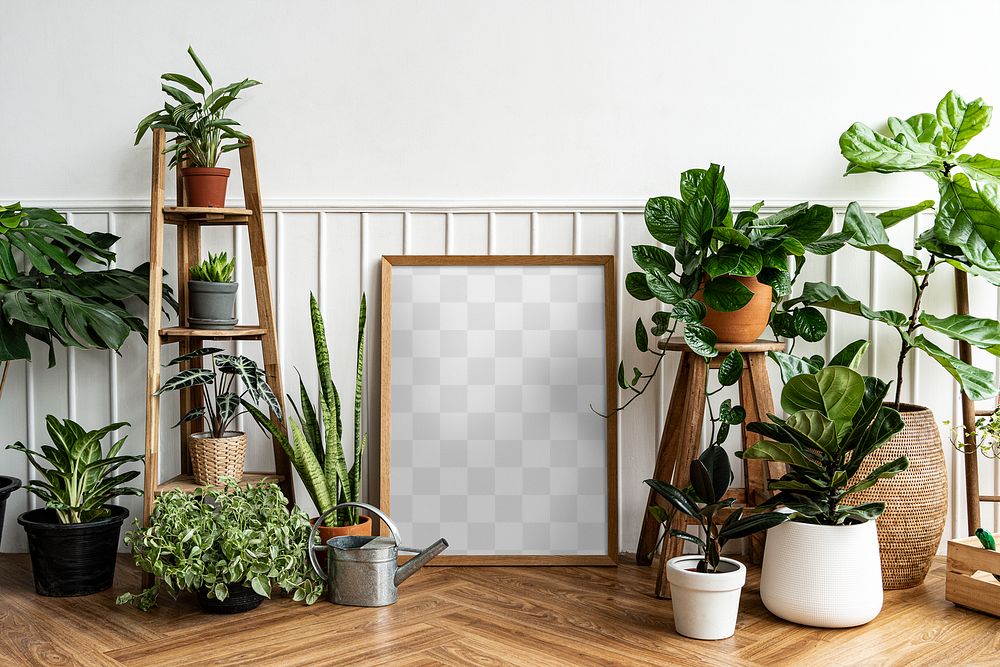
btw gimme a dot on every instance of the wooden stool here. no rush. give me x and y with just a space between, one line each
680 441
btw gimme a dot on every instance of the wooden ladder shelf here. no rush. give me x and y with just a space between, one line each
189 221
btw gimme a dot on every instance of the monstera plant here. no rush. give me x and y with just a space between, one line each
47 295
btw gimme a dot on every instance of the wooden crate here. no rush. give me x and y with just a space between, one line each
969 581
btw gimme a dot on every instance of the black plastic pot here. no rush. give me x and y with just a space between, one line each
74 558
240 599
7 486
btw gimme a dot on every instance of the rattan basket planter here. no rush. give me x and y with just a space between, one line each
916 500
215 458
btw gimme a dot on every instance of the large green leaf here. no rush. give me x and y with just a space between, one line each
980 168
689 311
834 298
663 219
884 471
851 355
674 496
897 215
835 391
961 121
970 219
731 369
780 452
734 260
697 220
977 383
868 233
868 150
791 365
192 377
755 523
980 332
726 294
664 287
650 257
805 225
636 286
701 340
815 426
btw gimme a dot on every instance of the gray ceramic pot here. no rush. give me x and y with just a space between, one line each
212 305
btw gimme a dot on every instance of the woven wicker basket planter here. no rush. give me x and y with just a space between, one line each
916 500
215 458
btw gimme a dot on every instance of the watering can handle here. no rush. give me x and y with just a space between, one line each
312 534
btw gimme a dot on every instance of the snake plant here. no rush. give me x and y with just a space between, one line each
199 126
317 448
79 480
218 268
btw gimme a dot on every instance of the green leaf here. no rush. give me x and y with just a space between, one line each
635 284
185 81
663 216
731 414
665 288
779 452
835 391
649 258
970 219
829 244
755 523
806 224
621 375
809 324
201 67
961 121
977 331
779 280
977 383
730 369
697 221
734 260
661 322
884 471
897 215
867 150
196 354
690 311
868 233
701 340
791 365
192 377
716 462
641 339
730 236
702 483
851 355
674 496
980 168
726 294
834 298
815 426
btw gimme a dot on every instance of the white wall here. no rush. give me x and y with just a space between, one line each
455 127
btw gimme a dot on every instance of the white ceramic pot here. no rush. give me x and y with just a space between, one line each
705 603
824 576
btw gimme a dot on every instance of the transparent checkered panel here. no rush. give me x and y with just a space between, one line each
493 443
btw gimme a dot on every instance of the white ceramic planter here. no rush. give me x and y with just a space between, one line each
705 603
823 576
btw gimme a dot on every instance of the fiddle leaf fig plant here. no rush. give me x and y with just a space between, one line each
836 419
703 501
965 233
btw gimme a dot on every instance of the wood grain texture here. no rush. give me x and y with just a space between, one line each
759 345
554 616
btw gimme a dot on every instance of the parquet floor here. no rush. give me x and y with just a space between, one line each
476 616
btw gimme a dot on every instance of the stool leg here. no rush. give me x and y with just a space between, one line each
755 395
666 455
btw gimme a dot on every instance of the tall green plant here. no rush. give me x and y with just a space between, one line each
200 127
79 479
218 268
965 234
316 448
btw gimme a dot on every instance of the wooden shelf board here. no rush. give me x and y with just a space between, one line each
240 332
181 215
186 482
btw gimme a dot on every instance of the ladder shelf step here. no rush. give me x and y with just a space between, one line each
241 332
198 215
186 482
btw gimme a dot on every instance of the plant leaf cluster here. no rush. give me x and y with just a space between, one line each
224 537
703 501
836 419
317 448
45 294
222 396
218 268
196 116
77 478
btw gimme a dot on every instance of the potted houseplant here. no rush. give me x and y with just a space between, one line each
7 486
195 115
73 540
822 567
316 448
212 293
967 209
220 452
232 546
705 588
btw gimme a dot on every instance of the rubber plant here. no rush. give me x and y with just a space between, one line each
965 233
47 295
711 475
836 419
317 446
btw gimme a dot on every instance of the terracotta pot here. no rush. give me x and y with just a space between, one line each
746 324
205 186
327 533
916 500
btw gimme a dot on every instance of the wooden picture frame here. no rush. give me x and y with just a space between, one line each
610 355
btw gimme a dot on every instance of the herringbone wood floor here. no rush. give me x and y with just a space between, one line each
476 616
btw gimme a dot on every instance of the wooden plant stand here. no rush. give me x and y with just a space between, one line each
189 221
969 581
681 437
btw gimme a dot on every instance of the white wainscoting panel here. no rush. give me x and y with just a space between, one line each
332 249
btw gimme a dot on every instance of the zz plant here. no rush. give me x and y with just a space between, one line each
703 501
218 268
965 234
221 538
79 478
223 399
196 116
836 419
317 447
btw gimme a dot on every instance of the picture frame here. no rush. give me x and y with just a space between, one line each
552 453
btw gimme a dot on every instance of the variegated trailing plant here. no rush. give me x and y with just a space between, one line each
47 295
317 447
220 385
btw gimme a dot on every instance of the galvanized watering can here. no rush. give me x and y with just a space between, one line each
362 570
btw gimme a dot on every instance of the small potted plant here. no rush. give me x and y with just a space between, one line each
232 546
73 540
220 452
195 115
212 293
822 567
705 588
316 450
7 486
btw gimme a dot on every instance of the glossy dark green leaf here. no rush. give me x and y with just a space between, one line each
650 257
192 377
635 285
734 260
641 338
621 375
665 288
970 219
689 311
851 355
977 383
196 354
791 365
702 482
697 221
730 369
701 340
674 496
779 281
755 523
834 298
977 331
726 294
661 322
809 324
663 217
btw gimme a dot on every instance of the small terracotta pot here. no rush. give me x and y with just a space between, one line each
205 186
746 324
327 533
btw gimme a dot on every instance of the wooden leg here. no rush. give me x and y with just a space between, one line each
755 395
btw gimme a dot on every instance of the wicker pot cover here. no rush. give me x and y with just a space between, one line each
214 458
916 500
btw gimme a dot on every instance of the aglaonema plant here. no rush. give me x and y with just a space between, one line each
703 501
965 233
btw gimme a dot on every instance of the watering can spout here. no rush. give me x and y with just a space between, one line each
418 561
